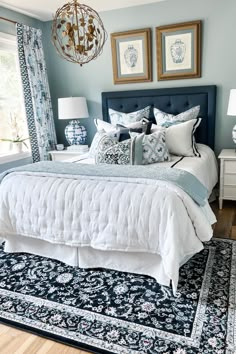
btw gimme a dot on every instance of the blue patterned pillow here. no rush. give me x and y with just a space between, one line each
166 119
113 135
110 152
127 152
128 118
154 148
142 149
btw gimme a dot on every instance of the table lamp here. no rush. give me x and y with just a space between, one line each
232 110
73 108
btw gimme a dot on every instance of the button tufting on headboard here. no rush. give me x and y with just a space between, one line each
173 100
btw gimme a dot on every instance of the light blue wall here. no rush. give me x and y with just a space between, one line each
10 29
218 59
15 16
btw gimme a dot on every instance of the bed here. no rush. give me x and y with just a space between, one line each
31 204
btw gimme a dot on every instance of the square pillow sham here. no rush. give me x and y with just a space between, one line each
180 139
166 119
128 118
155 148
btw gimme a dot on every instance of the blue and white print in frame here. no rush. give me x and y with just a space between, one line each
131 56
179 51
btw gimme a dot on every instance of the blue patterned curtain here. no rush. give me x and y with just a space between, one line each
36 92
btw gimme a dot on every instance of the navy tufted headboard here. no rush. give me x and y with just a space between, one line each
170 100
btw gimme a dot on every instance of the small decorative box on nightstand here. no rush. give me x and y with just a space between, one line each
227 175
64 155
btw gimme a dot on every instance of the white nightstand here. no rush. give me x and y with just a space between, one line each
227 175
64 155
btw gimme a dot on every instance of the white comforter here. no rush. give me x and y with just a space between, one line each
106 214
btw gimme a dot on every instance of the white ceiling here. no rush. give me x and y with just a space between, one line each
44 9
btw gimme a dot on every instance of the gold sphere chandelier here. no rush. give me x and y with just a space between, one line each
78 33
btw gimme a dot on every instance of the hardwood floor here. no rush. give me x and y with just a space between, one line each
226 220
13 341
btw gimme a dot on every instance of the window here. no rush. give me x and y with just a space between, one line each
13 125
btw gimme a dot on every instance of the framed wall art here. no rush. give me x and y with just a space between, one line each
131 56
179 51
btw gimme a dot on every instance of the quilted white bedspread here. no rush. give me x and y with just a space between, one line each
106 214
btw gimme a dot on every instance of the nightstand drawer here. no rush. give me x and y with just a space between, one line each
230 179
65 155
230 167
227 175
62 156
229 192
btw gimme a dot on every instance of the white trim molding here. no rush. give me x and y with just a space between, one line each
7 38
8 42
44 10
24 12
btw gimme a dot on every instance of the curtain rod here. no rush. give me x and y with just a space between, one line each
6 19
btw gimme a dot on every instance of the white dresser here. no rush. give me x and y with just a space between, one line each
227 175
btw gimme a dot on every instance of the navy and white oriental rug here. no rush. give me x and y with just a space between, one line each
105 311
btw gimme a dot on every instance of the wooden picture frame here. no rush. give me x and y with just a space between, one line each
179 51
131 56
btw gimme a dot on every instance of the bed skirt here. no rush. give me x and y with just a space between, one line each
87 257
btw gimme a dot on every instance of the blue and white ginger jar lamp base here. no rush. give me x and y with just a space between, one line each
75 133
234 134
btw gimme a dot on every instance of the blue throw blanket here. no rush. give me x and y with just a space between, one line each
183 179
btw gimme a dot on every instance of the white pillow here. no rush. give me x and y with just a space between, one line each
102 125
128 118
180 138
166 119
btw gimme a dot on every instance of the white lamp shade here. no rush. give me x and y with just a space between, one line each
72 108
232 103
